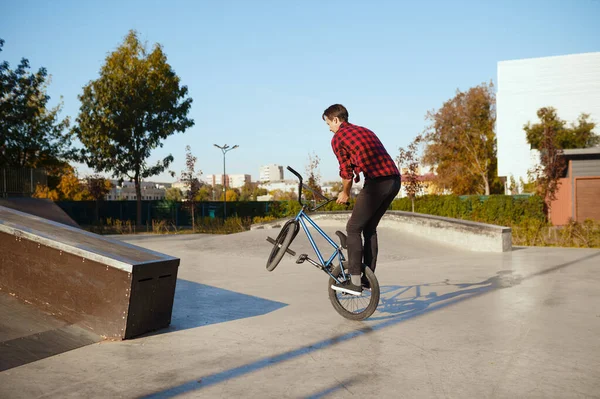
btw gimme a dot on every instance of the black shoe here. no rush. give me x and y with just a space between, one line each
365 283
348 288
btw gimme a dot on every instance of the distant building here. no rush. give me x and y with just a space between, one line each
233 181
569 83
270 173
238 181
150 191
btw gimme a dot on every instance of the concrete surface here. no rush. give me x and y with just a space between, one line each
453 324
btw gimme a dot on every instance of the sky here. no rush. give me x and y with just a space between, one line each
261 72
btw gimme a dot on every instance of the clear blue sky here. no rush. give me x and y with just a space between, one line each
262 72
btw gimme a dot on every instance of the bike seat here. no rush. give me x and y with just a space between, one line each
342 238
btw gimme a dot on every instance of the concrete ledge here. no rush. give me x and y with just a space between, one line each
472 236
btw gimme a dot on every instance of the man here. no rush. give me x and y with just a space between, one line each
359 150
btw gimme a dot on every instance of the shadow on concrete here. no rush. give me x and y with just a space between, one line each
29 334
398 309
401 300
197 305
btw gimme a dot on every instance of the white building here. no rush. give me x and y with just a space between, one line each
233 181
270 173
570 84
283 185
238 181
150 191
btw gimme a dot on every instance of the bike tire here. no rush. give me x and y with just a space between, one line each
282 242
355 307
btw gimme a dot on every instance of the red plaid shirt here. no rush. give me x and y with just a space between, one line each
359 150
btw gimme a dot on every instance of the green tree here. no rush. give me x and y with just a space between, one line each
461 141
258 191
205 193
127 112
550 137
31 134
247 192
173 194
579 135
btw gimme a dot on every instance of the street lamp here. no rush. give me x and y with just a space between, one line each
225 148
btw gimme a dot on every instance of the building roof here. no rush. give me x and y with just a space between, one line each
582 153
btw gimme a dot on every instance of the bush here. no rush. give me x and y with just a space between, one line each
496 209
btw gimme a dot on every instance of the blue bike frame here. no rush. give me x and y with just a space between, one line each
302 218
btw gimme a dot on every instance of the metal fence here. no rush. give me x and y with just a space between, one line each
21 182
91 212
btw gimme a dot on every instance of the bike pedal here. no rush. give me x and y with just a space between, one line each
302 258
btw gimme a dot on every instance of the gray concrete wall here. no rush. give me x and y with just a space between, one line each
472 236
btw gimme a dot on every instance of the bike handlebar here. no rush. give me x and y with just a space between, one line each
300 185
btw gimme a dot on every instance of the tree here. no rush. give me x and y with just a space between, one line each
31 134
549 137
190 178
247 191
97 188
173 194
578 135
126 113
205 193
69 188
314 178
232 195
409 159
461 141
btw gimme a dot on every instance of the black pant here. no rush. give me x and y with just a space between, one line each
371 204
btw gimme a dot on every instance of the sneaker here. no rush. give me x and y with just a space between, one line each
365 283
348 288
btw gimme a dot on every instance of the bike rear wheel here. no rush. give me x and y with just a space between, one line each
351 306
282 242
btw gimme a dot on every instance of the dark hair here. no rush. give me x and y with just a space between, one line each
336 110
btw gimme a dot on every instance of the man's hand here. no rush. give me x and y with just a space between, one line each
342 198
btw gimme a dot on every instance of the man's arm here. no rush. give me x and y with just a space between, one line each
344 195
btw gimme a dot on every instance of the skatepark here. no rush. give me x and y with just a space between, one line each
453 321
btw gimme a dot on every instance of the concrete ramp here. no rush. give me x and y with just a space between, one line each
113 289
43 208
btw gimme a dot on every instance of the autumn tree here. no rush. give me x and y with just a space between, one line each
135 104
579 134
190 178
313 179
69 188
31 134
461 141
409 163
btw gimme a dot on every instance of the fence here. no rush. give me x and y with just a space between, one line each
87 213
21 182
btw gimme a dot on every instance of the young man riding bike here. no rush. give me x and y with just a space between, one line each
358 150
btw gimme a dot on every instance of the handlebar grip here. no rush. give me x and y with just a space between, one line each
294 172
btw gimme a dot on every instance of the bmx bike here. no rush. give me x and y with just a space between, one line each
353 307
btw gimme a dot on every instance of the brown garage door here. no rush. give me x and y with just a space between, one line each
588 198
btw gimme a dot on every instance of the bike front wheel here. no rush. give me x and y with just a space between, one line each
351 306
282 242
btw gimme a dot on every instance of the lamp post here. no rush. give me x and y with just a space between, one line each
225 148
